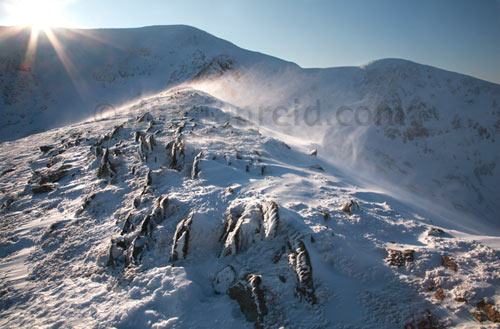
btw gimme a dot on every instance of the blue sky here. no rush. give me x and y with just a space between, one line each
457 35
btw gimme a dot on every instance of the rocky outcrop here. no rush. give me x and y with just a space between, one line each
250 296
350 206
256 222
399 258
180 245
449 263
195 170
301 264
106 168
175 154
270 218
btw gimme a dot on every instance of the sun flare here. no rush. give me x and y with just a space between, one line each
41 15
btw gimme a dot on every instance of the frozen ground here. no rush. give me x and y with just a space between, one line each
176 213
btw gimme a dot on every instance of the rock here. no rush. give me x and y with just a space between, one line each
6 171
399 258
488 309
449 263
143 148
56 175
175 154
257 222
195 169
271 218
117 252
145 117
46 148
301 264
317 167
224 279
439 294
151 142
44 188
244 231
137 136
159 212
7 203
141 240
479 316
350 206
115 131
128 225
180 244
313 153
105 166
251 299
434 231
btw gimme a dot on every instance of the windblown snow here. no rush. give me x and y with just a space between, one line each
190 205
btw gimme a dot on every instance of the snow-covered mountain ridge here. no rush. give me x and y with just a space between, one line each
413 128
228 188
176 214
71 72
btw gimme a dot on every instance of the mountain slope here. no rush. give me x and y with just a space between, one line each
408 128
72 74
174 213
420 133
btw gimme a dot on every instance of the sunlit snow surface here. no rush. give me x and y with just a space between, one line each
54 267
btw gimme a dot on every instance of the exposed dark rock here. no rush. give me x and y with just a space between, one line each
5 172
115 131
488 309
105 166
85 204
117 252
175 154
180 128
128 225
434 231
44 188
317 167
55 176
449 263
439 294
180 244
217 67
143 148
313 153
137 135
159 212
350 206
149 179
251 299
7 203
46 148
399 258
301 264
151 142
195 169
141 240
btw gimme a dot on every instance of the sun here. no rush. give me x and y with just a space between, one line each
40 15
